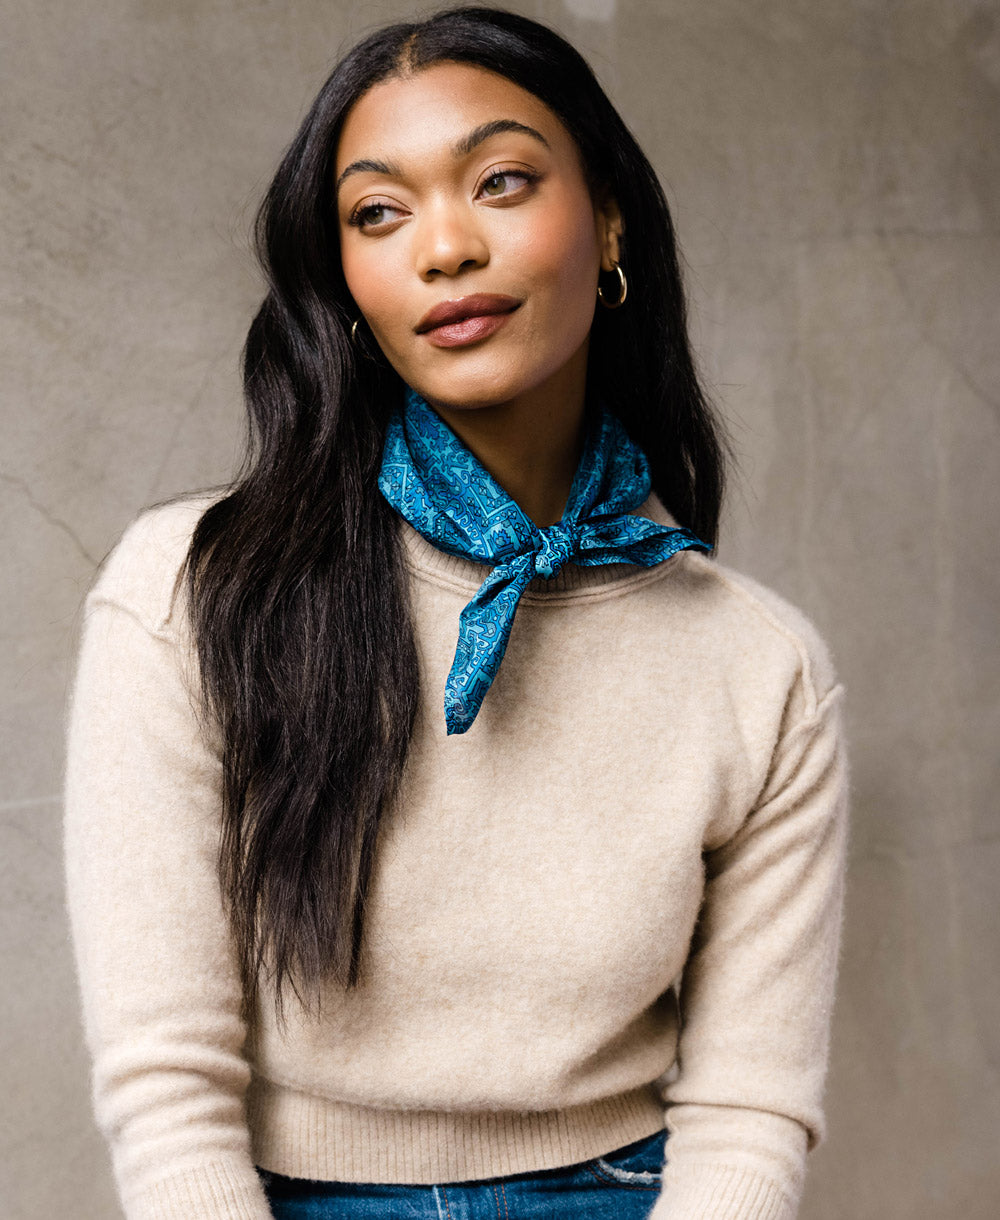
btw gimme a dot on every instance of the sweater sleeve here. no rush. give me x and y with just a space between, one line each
757 991
158 982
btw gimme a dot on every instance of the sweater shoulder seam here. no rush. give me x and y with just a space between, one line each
158 628
814 699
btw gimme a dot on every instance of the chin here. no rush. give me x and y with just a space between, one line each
490 385
470 393
473 400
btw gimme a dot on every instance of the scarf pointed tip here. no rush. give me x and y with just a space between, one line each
457 721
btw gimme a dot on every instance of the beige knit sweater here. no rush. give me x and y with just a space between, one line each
655 784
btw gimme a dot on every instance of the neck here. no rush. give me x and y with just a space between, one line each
531 444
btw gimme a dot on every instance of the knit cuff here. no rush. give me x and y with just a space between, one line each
720 1192
216 1191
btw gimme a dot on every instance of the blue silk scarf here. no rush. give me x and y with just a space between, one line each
443 491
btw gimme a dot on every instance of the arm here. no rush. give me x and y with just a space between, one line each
757 990
159 987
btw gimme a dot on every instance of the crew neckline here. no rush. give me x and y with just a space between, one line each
427 561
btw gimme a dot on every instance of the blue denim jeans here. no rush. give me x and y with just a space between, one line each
621 1185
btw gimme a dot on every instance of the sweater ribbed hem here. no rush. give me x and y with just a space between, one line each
303 1136
719 1192
217 1191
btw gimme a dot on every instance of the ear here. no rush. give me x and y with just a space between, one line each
610 228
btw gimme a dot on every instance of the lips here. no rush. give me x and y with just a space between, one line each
479 305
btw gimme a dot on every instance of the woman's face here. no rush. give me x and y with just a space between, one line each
469 238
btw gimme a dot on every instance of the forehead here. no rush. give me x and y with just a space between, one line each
424 112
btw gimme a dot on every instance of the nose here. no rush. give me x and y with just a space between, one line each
449 240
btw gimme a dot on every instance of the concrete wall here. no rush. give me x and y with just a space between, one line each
835 174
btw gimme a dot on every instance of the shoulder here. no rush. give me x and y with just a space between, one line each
143 572
750 621
746 628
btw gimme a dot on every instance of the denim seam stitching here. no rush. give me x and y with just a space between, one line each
447 1205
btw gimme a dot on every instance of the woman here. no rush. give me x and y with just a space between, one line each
347 948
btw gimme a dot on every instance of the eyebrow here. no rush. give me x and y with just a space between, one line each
461 148
494 128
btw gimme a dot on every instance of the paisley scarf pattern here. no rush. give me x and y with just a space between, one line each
440 487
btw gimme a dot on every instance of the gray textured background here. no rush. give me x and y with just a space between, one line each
835 175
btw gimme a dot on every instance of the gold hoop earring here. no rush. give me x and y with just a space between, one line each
622 290
354 330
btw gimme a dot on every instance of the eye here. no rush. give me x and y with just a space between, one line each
503 182
375 215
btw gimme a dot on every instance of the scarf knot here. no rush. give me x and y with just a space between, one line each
558 544
439 486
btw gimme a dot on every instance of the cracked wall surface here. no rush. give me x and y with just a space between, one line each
835 177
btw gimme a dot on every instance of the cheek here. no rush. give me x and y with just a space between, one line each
373 285
563 260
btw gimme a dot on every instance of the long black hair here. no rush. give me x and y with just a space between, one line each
298 594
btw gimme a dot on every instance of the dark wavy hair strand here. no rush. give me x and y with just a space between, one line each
297 587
